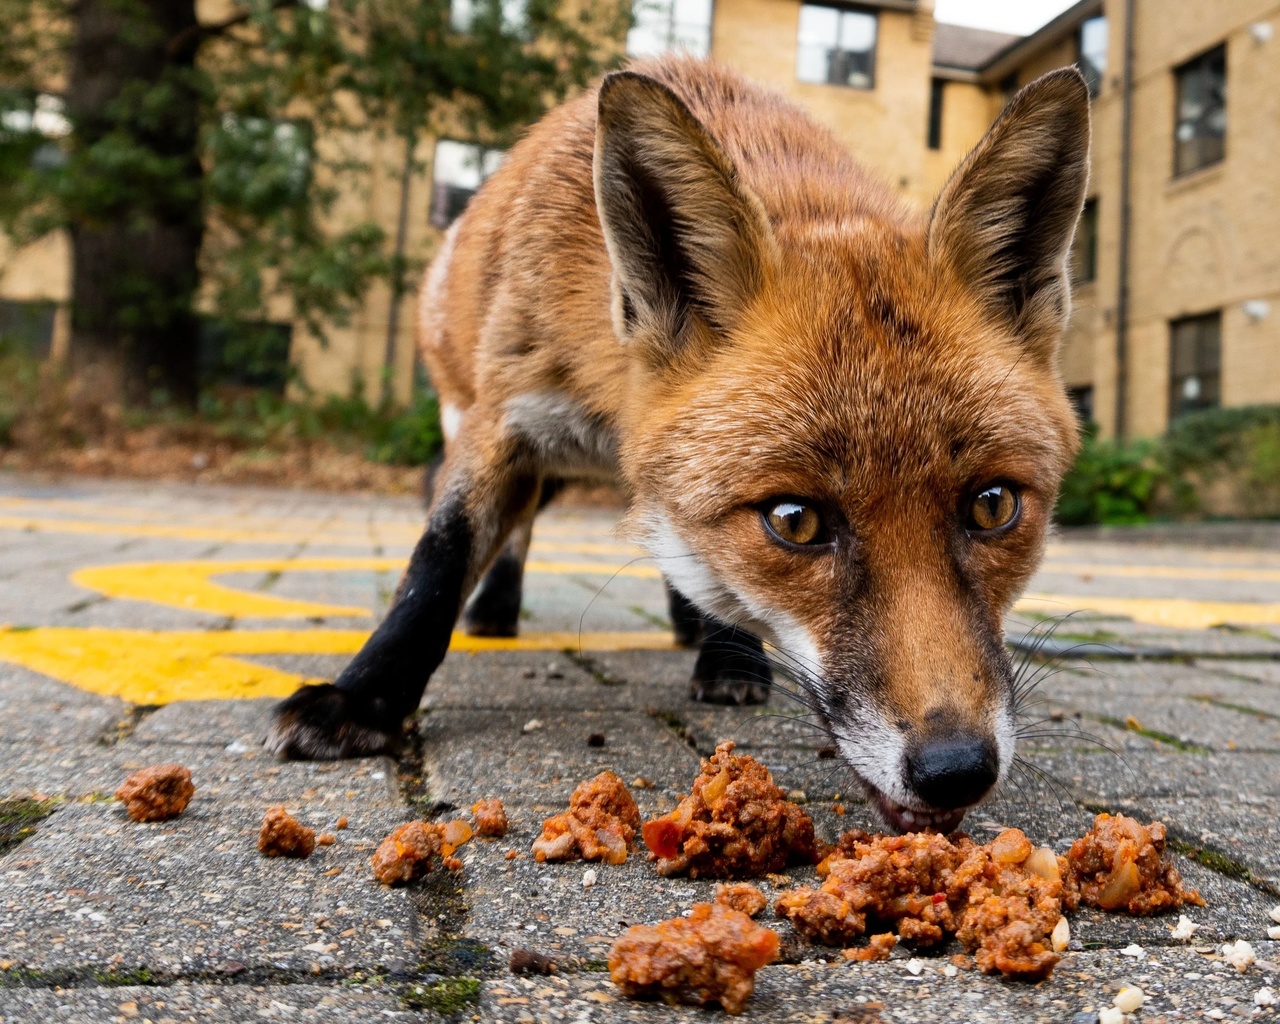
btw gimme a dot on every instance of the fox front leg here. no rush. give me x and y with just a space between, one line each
362 712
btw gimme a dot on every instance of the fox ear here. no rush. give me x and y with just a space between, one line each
689 242
1005 220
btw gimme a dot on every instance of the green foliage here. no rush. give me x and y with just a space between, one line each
1111 482
252 129
1239 446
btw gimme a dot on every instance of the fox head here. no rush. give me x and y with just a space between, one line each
846 433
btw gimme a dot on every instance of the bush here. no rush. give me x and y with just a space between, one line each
1111 482
1231 456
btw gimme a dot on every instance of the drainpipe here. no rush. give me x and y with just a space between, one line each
1126 165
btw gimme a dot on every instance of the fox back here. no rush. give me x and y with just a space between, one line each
840 420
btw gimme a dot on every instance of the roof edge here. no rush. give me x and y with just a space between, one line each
1007 59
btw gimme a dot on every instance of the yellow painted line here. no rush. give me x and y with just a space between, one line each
1177 613
1164 572
149 667
189 585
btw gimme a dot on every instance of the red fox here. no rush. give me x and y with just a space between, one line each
840 422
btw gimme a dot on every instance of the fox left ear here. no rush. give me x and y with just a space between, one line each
689 242
1005 220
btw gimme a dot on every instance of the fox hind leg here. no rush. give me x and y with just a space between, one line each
731 667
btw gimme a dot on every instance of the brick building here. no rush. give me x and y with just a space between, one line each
1177 262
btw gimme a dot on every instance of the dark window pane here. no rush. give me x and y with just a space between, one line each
1200 130
937 88
1084 251
1082 401
836 47
1195 363
1092 43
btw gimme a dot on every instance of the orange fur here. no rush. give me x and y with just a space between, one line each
807 336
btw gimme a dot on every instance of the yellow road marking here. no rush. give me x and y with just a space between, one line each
1179 613
189 585
150 667
1164 572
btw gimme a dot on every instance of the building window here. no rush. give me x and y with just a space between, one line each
463 14
836 47
1091 46
659 26
1200 135
456 173
1195 363
31 128
1082 402
937 88
1084 251
259 160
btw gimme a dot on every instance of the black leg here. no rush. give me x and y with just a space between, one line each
731 667
686 620
494 610
363 710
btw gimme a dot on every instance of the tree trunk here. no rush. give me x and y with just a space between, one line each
134 101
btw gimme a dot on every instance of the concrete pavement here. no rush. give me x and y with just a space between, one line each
149 624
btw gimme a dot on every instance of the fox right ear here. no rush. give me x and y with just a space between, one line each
690 244
1005 220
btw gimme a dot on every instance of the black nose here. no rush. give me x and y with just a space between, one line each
953 771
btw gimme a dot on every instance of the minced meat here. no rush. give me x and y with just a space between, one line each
282 835
711 956
744 898
734 824
156 793
491 818
406 853
601 824
1120 864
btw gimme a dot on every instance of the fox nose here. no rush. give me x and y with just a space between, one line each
953 771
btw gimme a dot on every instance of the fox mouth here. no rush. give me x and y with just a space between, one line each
901 818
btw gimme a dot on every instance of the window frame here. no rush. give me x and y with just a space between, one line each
1197 62
1199 321
842 9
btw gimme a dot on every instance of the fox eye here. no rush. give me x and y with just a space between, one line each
994 507
794 523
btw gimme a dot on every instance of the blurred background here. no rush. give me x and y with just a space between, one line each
213 214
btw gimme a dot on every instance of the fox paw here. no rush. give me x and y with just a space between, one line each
316 724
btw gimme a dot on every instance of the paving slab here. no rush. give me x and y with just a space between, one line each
192 897
474 755
238 773
1182 985
38 711
202 1004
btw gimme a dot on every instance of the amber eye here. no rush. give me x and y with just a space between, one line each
794 523
993 507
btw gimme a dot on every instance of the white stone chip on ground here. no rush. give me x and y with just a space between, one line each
1111 1015
1061 935
1215 1014
915 966
533 725
1239 955
1274 932
1184 929
1265 997
1134 950
589 878
950 971
1129 998
1274 914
